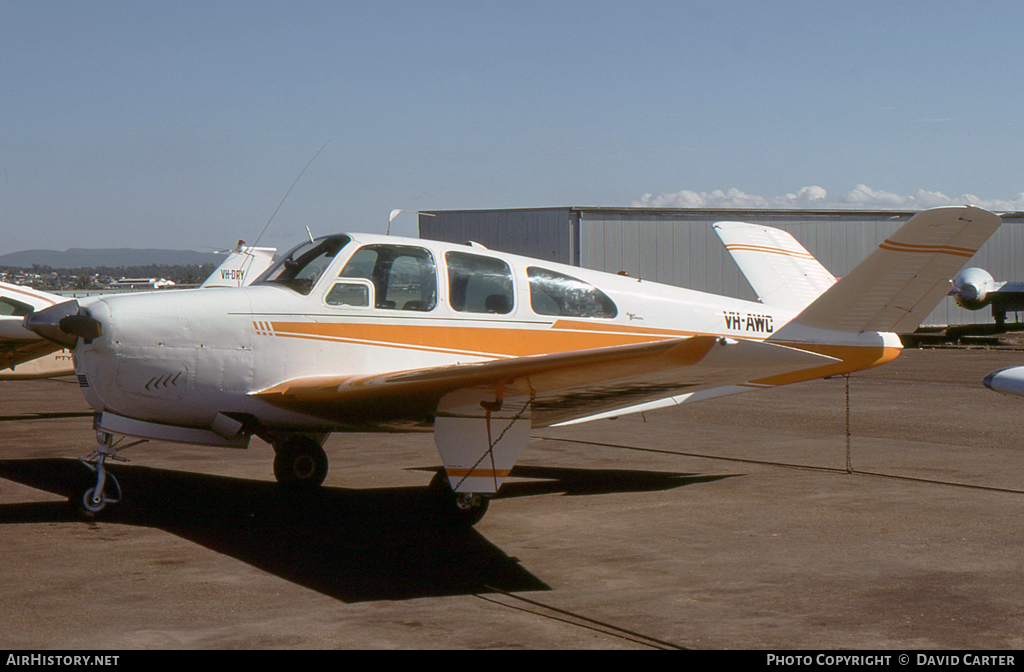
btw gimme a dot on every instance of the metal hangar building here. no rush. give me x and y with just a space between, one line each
677 246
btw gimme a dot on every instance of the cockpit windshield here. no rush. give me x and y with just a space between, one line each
301 267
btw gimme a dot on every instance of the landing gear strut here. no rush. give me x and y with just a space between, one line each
106 490
300 463
457 508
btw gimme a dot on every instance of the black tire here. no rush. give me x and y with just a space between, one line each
455 510
300 464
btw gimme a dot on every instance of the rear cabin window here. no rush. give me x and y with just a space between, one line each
553 293
478 284
403 277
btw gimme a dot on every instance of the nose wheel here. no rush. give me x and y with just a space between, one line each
106 490
94 501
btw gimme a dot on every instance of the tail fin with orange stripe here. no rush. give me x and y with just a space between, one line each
781 271
902 281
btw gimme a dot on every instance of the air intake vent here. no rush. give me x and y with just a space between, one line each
83 381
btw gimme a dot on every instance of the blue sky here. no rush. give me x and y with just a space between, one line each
182 124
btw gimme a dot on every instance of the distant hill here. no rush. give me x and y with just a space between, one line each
86 258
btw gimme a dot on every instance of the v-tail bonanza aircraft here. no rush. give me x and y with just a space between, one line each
354 332
24 355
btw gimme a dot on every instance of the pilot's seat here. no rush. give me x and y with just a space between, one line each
498 303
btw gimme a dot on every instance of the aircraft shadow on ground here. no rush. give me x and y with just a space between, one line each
353 545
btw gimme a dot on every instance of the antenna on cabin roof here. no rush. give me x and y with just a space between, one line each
288 192
394 213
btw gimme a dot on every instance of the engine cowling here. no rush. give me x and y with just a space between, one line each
971 288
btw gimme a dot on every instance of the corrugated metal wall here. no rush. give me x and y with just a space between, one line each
541 233
678 246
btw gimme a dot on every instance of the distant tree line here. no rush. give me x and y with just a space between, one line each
47 277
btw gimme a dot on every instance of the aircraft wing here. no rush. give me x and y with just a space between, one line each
1009 296
18 351
562 386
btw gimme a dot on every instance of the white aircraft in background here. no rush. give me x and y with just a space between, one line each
26 355
360 332
975 288
1008 380
242 265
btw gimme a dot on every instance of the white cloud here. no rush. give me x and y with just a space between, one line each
860 197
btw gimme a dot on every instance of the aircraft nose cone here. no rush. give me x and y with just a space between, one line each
969 292
1009 380
63 324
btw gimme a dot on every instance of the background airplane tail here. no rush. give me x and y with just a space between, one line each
902 281
242 265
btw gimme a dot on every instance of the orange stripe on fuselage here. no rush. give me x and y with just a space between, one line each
562 336
482 341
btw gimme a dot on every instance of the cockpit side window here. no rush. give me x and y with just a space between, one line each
553 293
404 277
349 293
302 266
478 284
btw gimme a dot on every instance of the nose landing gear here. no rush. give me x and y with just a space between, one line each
106 490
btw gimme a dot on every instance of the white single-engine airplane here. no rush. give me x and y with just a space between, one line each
975 288
25 355
360 332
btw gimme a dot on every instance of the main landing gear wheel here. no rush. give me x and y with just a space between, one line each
300 464
457 508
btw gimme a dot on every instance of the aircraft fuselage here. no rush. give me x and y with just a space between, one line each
183 357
